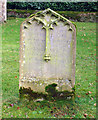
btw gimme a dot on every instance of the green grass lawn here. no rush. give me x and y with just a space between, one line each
84 105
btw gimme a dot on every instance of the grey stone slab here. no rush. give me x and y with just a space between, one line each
47 52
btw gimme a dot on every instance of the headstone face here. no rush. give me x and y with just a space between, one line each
47 52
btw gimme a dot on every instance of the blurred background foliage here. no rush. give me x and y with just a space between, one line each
57 6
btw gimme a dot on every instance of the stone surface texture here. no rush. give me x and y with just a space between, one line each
3 10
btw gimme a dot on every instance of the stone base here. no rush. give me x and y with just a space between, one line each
27 93
39 85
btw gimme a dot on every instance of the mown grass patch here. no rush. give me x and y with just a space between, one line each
84 105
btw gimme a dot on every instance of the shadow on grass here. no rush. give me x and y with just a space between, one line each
57 104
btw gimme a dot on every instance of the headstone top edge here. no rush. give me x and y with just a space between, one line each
53 12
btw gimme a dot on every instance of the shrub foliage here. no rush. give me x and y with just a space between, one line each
58 6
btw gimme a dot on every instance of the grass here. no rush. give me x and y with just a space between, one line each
84 105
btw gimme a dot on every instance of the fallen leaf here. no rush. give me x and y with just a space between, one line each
95 104
71 118
85 115
91 98
79 96
42 106
18 108
11 115
15 76
89 92
11 105
55 115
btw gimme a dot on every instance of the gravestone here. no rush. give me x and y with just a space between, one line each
47 52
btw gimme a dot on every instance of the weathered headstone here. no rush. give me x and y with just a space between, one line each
47 52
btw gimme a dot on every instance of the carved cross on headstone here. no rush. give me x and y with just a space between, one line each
47 24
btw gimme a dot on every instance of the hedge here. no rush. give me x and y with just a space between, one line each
57 6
